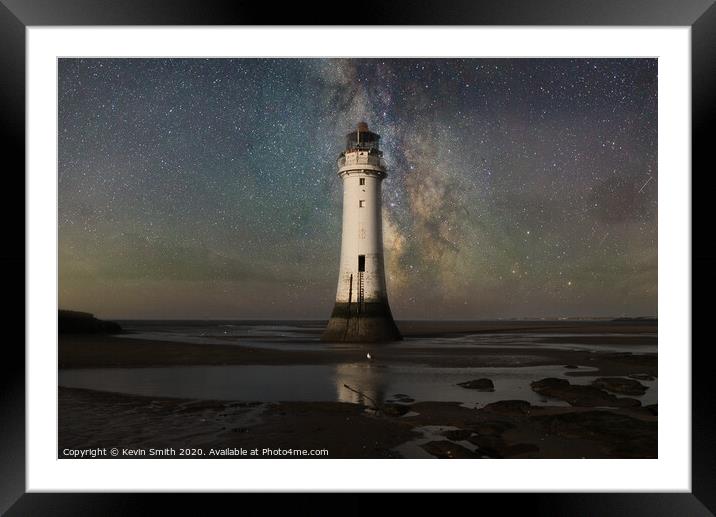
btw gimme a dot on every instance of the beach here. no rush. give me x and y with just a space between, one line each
547 389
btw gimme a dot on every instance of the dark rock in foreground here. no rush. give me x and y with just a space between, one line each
520 449
488 445
73 322
582 396
621 436
394 409
642 376
496 447
457 434
492 427
447 449
509 407
620 385
478 384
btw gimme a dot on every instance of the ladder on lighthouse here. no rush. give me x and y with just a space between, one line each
361 291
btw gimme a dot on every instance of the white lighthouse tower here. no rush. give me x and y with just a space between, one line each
361 312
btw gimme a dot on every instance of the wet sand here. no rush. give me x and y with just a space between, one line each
94 419
376 430
97 351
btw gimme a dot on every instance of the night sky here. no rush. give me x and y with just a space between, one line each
207 188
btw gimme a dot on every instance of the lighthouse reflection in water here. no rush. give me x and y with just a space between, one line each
360 383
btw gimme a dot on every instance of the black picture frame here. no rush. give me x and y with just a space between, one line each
17 15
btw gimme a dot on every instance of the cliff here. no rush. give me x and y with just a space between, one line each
73 322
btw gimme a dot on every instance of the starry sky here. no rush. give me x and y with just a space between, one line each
207 188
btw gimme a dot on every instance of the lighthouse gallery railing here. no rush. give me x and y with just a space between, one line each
357 159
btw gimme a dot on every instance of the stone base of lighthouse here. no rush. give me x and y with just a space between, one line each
361 322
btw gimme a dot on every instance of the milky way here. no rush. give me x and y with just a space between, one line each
207 188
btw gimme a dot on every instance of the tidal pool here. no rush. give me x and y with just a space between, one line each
379 383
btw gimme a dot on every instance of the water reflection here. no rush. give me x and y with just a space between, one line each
360 384
378 382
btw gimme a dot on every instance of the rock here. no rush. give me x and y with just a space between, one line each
620 385
491 427
519 449
578 395
642 376
458 434
495 447
488 445
509 407
621 435
478 384
641 447
447 449
401 397
653 409
394 409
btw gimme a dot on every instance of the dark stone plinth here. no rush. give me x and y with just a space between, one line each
370 322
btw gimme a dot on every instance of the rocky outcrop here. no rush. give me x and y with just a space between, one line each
394 409
457 434
509 407
495 447
642 376
620 435
478 384
578 395
448 449
73 322
492 427
620 385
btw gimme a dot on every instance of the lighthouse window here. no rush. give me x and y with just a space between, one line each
361 203
362 181
361 263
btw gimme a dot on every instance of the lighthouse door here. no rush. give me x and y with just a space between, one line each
361 263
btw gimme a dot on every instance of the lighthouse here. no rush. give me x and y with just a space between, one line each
361 312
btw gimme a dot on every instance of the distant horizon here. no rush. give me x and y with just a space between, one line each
525 318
